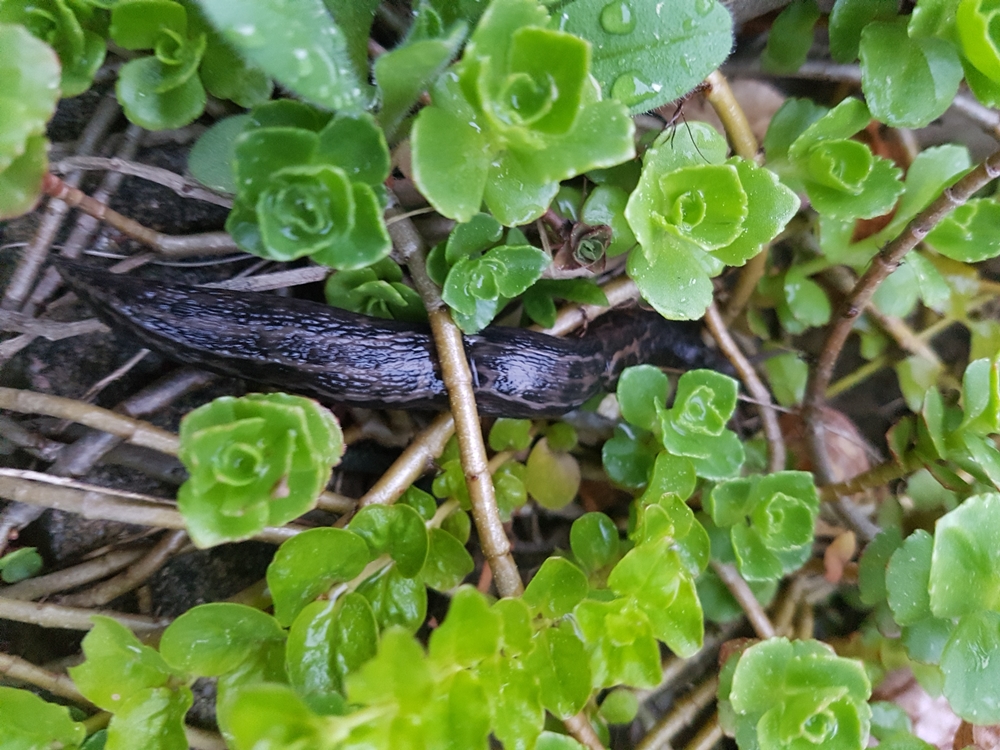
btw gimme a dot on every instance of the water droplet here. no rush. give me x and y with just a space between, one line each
704 7
618 17
632 88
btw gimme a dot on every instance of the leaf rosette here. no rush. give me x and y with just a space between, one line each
771 520
695 212
795 695
516 115
310 187
810 148
72 28
254 461
376 290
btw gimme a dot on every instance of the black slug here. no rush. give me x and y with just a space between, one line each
334 355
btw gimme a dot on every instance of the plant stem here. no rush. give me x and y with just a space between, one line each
15 668
70 578
708 736
741 592
74 618
458 382
882 265
777 454
173 246
683 713
734 119
877 476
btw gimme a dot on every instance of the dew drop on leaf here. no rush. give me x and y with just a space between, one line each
704 7
617 17
632 87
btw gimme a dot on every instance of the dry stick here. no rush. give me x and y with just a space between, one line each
50 330
91 501
457 377
741 592
684 712
172 246
86 226
33 443
34 255
877 476
882 265
99 595
708 736
768 414
122 165
784 609
134 431
73 577
74 618
15 668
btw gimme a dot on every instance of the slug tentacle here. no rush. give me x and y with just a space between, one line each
334 355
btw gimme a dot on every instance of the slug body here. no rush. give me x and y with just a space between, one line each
335 355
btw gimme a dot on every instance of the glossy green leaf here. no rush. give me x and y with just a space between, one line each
970 675
376 290
396 530
118 667
510 434
908 82
29 722
309 563
257 460
790 37
559 662
619 639
329 640
975 21
212 160
553 476
620 707
969 233
470 632
965 568
639 389
297 43
646 56
151 98
672 475
606 205
20 564
212 639
556 588
629 455
399 673
907 576
787 374
873 563
272 713
226 75
152 718
849 18
395 599
594 540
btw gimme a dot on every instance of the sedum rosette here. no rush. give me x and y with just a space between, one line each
255 461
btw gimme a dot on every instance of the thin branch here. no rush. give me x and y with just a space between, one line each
15 668
877 476
51 330
571 317
748 602
184 187
681 715
34 255
882 265
136 575
268 281
768 414
734 119
458 381
173 246
134 431
580 727
708 736
73 577
74 618
92 501
746 285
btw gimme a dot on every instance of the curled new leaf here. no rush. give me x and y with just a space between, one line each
771 520
254 461
517 114
305 188
796 694
693 213
377 290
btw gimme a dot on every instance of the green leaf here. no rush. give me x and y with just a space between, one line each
422 502
212 639
448 562
557 587
376 290
908 82
969 233
308 565
212 160
873 563
553 476
849 18
510 434
970 674
628 456
152 718
20 564
357 145
559 662
594 540
965 569
137 24
28 101
395 599
645 56
272 713
396 530
117 667
296 42
152 99
606 205
620 706
30 722
975 23
639 389
226 75
329 640
620 641
399 673
470 632
787 375
790 37
354 18
907 576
